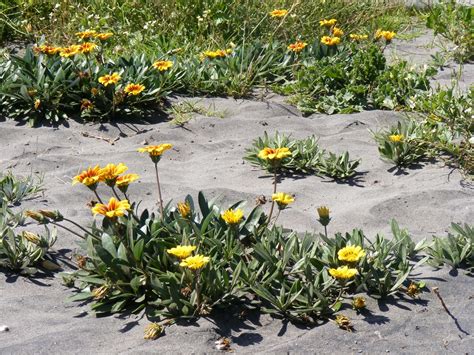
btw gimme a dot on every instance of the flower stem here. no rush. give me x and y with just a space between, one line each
198 290
69 230
274 191
80 227
160 200
326 231
115 193
97 195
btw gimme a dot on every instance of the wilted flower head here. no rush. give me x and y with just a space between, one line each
100 292
163 65
86 105
184 209
297 47
113 209
153 331
232 217
414 289
344 322
37 104
282 199
351 253
182 251
195 262
358 303
278 13
38 217
53 215
90 177
343 273
134 89
31 237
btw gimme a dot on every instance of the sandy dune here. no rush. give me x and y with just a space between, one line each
208 156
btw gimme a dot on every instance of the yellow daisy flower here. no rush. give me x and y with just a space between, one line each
232 217
134 89
182 251
113 209
195 262
163 65
351 253
343 273
278 13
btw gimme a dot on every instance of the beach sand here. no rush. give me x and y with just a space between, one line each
207 156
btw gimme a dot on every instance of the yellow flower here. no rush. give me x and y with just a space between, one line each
336 31
37 104
330 41
278 13
70 51
274 154
123 181
358 303
195 262
86 34
351 253
357 37
297 47
387 35
104 36
232 217
327 23
46 49
182 251
323 212
87 47
153 331
220 53
90 177
184 209
134 89
155 151
113 209
282 199
396 138
343 273
110 79
86 105
162 65
111 172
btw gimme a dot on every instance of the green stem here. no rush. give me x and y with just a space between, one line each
68 229
80 227
274 191
98 197
160 200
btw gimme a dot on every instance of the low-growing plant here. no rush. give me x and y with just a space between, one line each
182 112
306 157
455 250
401 144
453 21
14 189
23 252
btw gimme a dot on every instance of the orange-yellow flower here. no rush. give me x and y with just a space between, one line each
330 41
357 37
134 89
111 172
163 65
123 181
104 36
278 13
274 154
87 47
343 273
387 35
336 31
110 79
220 53
86 34
113 209
37 104
396 138
297 47
184 209
90 177
328 23
70 51
46 49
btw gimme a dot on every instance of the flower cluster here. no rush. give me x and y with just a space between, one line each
219 53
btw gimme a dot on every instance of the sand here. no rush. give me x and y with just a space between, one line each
207 156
